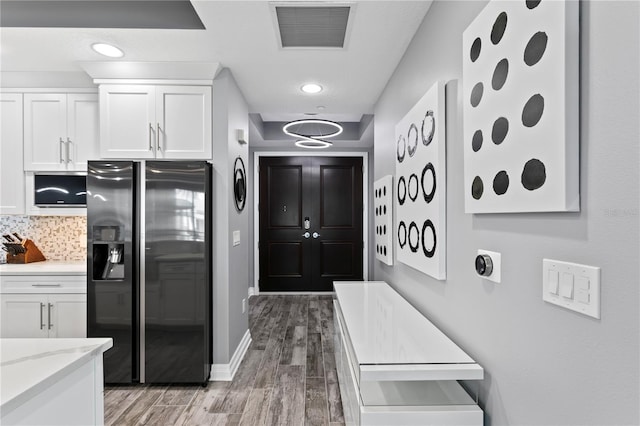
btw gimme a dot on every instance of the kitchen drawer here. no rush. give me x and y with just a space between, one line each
44 284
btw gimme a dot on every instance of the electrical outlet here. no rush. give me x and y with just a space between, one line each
244 305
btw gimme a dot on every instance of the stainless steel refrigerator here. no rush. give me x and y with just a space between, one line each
149 269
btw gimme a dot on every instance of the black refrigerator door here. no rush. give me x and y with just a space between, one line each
177 272
112 284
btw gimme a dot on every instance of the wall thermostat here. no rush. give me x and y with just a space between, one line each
484 265
488 265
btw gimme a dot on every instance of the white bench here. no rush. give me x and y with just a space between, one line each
394 366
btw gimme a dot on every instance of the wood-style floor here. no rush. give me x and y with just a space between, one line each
287 377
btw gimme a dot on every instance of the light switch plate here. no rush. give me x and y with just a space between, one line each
572 286
236 238
496 259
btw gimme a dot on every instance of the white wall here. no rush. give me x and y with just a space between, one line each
543 364
230 276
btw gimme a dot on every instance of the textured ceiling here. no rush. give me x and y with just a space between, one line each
243 36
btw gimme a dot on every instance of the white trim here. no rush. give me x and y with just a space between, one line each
297 293
256 197
251 292
64 90
225 372
164 82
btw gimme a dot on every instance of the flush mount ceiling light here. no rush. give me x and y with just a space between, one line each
311 88
309 132
107 50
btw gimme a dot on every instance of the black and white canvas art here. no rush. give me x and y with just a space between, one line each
383 210
520 103
420 185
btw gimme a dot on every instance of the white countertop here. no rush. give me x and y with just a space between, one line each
385 329
28 366
47 267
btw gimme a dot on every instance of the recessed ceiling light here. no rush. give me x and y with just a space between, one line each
311 88
107 50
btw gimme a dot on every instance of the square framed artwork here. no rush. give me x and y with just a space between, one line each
383 209
421 185
521 112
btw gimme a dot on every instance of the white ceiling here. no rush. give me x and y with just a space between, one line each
241 35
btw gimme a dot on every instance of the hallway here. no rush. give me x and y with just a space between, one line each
287 377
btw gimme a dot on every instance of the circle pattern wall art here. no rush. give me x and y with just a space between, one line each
520 103
420 184
383 219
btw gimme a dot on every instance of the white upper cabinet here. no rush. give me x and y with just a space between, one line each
83 130
150 121
12 178
127 121
183 122
60 131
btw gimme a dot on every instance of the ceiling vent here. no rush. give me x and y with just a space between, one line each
312 26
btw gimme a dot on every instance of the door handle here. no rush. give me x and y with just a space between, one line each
150 137
49 316
316 235
158 147
42 324
306 234
61 149
68 150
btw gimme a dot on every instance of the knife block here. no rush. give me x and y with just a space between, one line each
32 254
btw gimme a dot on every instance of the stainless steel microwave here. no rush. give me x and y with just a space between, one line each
60 190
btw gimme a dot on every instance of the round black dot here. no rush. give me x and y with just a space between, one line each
500 74
384 190
532 4
384 209
532 111
384 229
476 94
534 174
477 188
476 141
384 250
501 182
535 48
499 28
475 49
500 130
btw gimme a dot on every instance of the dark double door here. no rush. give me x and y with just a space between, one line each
310 222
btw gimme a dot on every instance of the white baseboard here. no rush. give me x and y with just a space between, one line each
225 372
252 291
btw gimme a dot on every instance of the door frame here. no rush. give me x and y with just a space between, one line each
256 213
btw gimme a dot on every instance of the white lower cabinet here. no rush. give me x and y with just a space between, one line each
394 366
44 315
39 307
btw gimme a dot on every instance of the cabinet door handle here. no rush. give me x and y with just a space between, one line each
42 324
158 137
49 316
68 150
150 137
61 149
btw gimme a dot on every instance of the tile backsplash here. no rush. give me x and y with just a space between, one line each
58 237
